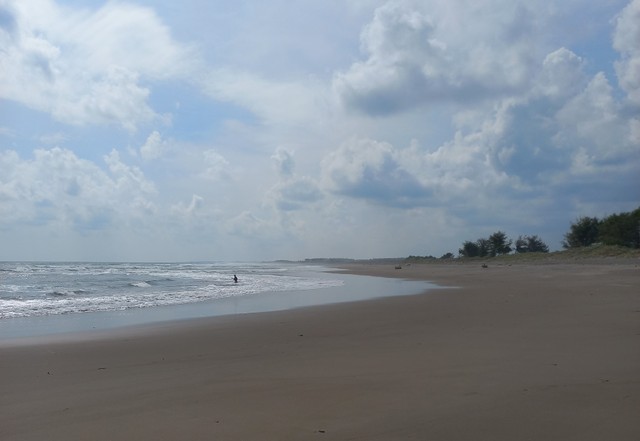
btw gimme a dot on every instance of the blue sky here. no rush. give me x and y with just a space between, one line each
251 130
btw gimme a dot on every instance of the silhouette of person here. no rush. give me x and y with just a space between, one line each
235 278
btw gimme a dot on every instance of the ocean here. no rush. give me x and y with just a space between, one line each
35 289
51 297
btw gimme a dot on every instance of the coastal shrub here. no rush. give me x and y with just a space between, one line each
531 244
582 233
495 245
499 244
419 258
469 249
622 229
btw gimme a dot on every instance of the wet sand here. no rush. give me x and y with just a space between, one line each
513 353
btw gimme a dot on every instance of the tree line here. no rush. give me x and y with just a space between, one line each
622 229
498 243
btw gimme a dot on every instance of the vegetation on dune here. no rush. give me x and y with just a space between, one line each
622 229
495 245
583 233
617 235
531 244
592 252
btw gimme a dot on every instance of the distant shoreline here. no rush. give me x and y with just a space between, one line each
594 254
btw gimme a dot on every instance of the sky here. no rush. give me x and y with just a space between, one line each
278 129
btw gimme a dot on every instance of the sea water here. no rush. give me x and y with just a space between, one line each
45 298
35 289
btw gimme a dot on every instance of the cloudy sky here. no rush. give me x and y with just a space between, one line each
282 129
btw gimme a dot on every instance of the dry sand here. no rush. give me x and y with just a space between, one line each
522 352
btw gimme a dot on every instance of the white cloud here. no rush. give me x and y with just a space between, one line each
456 172
295 193
87 67
188 210
284 162
567 126
470 115
217 167
416 56
373 170
154 147
58 188
626 40
562 74
591 120
127 177
249 226
288 102
292 192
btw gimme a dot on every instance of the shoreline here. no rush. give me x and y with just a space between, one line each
58 327
517 352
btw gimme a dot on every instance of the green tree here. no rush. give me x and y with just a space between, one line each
582 233
484 247
621 229
531 244
469 249
498 244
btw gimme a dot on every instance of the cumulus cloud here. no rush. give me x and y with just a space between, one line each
562 74
566 128
569 125
626 40
217 167
284 162
373 170
127 177
491 113
86 67
249 226
547 140
416 56
295 193
188 210
292 192
57 187
592 119
305 99
154 147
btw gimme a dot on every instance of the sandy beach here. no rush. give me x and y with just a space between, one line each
513 352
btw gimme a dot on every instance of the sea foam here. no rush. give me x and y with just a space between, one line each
36 289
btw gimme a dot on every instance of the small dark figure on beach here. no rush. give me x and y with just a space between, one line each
235 278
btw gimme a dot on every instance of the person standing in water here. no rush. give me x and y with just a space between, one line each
235 278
